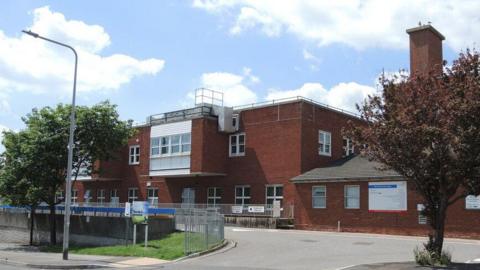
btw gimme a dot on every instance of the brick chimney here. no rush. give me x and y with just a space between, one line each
425 49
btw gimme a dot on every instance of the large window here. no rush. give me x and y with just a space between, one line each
274 193
242 195
319 197
101 196
134 155
152 196
214 196
237 145
114 199
324 143
352 197
347 147
171 145
132 194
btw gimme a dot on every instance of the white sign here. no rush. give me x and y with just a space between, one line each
387 196
256 209
420 207
237 209
472 202
127 209
276 209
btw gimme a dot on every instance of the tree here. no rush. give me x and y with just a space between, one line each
99 135
18 186
426 127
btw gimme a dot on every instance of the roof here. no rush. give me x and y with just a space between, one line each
354 167
426 27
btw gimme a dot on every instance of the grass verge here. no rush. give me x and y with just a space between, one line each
169 247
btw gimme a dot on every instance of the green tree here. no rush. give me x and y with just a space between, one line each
99 135
426 127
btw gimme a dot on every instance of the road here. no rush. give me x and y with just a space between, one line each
280 249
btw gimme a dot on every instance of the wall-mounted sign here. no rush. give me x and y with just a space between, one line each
237 209
472 202
387 196
127 209
256 209
276 209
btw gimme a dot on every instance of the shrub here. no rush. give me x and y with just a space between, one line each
425 257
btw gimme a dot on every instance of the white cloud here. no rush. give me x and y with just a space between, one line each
235 92
29 64
343 95
247 72
358 23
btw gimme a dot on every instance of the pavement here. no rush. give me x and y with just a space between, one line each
279 249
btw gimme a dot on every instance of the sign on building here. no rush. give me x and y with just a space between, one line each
127 209
472 202
387 196
237 209
256 209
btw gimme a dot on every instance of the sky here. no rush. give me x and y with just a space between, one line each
148 57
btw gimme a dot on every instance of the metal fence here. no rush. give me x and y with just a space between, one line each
204 228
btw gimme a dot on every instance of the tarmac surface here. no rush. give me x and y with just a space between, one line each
278 249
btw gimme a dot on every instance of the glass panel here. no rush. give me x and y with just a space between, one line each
318 191
219 192
211 201
238 191
353 203
175 139
155 142
185 147
132 150
327 148
234 149
165 140
270 191
186 138
211 192
241 139
319 202
246 201
352 192
164 149
238 201
279 191
327 138
155 151
175 149
246 191
269 201
137 150
233 139
241 149
320 137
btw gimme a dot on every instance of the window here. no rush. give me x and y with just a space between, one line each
352 197
87 196
60 196
152 196
114 196
235 121
171 145
214 195
132 194
101 196
319 197
74 196
347 147
134 155
237 144
274 193
325 143
242 195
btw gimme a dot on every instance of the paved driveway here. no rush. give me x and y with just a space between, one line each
279 249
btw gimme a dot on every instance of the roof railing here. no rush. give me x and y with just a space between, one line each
290 99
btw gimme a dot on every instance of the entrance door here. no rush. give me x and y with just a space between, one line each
188 197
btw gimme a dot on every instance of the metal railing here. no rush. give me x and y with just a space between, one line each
290 99
203 228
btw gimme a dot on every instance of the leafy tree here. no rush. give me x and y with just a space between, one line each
98 136
426 127
18 186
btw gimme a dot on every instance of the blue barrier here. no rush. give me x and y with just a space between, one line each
77 209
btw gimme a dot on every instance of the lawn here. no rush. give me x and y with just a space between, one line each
168 248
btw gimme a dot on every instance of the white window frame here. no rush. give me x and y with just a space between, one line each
242 196
237 144
324 197
74 197
346 197
182 144
348 149
152 200
60 196
275 197
134 158
101 195
217 196
131 199
323 143
114 192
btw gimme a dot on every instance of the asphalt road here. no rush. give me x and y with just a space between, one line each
280 249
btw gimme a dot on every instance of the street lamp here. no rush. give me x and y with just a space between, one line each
68 191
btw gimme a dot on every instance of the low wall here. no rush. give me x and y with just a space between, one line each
251 222
89 231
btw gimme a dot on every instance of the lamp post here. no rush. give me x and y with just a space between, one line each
68 188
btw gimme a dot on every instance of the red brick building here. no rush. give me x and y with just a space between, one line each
291 150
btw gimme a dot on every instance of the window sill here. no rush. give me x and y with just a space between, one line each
138 163
325 154
171 155
238 155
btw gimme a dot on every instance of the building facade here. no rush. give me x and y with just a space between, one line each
291 151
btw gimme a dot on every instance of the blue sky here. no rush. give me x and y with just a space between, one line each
149 56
